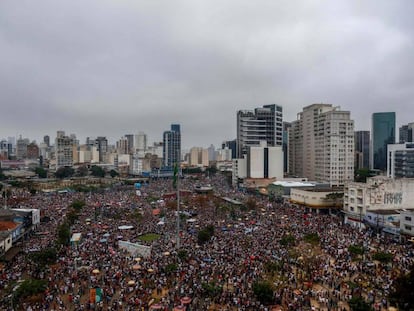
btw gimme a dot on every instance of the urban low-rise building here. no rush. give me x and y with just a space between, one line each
379 194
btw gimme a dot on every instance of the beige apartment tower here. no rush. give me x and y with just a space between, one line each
321 145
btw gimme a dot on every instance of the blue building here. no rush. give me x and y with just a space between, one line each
383 133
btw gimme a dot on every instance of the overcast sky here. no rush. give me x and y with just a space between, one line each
111 68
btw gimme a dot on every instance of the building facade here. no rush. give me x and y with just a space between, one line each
260 124
63 150
321 145
406 133
379 194
400 160
362 141
382 134
172 146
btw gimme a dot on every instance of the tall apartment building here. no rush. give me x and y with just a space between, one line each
199 157
130 138
33 151
382 134
5 149
362 141
140 142
63 150
102 146
260 124
122 146
21 148
406 133
172 146
400 161
321 145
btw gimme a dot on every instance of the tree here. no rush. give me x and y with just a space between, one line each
113 173
97 171
29 288
64 172
47 256
263 291
82 171
402 296
312 238
78 205
63 233
382 257
355 250
2 176
203 236
357 303
287 240
362 174
41 172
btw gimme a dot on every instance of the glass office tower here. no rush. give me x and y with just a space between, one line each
383 133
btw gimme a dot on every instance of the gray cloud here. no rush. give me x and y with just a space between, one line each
116 67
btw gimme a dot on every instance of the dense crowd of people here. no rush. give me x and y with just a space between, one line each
219 274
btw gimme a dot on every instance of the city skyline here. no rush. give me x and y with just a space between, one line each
109 68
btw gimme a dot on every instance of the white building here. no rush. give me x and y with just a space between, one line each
407 222
63 150
223 154
321 145
379 194
400 160
140 142
259 162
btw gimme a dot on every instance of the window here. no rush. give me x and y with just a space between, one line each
407 227
408 218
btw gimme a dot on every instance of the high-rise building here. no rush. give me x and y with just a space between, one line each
172 146
199 157
382 134
122 146
46 140
140 142
33 151
406 133
211 153
400 160
362 141
232 145
285 145
130 138
260 124
63 150
21 148
321 145
102 146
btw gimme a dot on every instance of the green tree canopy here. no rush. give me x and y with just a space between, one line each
402 295
64 172
97 171
29 288
357 303
113 173
82 171
41 172
263 291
